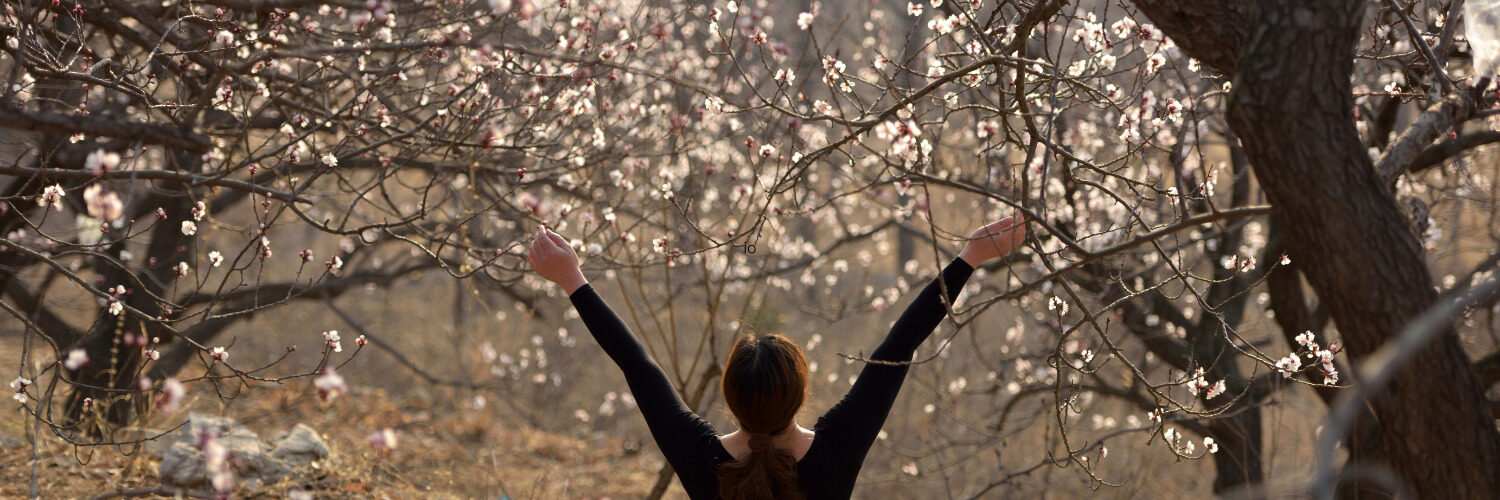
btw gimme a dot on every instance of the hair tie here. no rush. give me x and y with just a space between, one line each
760 442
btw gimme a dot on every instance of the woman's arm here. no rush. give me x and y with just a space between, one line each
855 421
677 430
687 441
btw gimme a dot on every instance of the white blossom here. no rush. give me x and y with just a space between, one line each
76 359
1289 365
101 161
52 195
101 204
19 385
331 339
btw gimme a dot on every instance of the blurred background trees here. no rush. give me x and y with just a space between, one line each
190 189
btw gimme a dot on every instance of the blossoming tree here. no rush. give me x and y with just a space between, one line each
179 169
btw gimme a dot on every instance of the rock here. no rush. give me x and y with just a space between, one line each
301 446
182 465
254 463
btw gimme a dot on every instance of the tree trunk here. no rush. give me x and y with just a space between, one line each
1237 430
119 363
1292 107
1238 461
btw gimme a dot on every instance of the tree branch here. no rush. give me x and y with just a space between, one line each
270 5
13 117
48 323
1438 119
1438 153
49 174
1214 32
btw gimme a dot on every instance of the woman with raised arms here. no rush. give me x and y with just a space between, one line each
764 384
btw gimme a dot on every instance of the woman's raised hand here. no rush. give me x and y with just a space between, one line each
554 259
994 240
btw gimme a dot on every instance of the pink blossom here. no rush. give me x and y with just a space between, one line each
785 76
383 439
1216 389
216 464
171 398
19 384
330 385
805 20
1154 63
1123 28
1289 365
1307 340
101 204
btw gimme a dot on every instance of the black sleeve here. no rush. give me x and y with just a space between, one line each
689 443
855 421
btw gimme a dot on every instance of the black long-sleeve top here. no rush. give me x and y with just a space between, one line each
842 436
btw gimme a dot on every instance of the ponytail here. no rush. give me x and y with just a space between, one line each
763 474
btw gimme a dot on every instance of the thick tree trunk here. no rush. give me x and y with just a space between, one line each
1294 316
119 363
1292 108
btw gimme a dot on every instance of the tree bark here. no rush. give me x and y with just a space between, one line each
1238 462
1292 108
120 363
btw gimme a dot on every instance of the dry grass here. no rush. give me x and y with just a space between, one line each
443 452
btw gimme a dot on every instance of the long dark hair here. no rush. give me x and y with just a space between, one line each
764 384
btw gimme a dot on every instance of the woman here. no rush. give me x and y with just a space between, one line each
764 384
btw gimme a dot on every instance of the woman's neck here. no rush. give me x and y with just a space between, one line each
795 440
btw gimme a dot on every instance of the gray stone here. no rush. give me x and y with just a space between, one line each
301 446
182 465
255 463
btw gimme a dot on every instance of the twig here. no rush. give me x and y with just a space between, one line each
1435 65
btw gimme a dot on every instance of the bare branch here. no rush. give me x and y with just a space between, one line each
13 117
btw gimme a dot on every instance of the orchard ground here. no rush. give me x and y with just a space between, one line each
447 448
440 453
